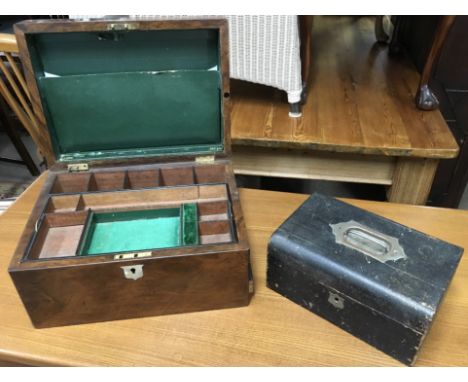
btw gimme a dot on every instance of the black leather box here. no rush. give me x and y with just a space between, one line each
377 279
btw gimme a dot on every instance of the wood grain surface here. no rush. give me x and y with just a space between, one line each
412 180
360 100
271 331
311 164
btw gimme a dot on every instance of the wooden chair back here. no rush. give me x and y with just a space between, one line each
15 92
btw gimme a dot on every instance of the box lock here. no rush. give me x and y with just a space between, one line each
336 300
133 272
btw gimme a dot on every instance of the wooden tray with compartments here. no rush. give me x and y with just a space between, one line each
140 213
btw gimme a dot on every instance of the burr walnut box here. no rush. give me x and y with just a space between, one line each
139 214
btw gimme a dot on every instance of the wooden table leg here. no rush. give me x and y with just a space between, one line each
412 180
425 97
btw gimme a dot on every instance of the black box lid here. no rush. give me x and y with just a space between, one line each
407 285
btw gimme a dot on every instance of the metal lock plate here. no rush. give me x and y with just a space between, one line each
133 272
336 300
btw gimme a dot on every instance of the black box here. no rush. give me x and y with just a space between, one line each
377 279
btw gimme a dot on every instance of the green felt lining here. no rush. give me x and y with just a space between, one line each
100 52
190 224
107 115
130 93
128 231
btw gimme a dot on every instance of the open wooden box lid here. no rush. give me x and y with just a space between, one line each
114 91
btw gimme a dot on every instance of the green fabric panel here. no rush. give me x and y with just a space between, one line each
131 231
133 114
93 52
189 224
130 93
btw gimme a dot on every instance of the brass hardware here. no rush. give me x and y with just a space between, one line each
372 243
122 26
206 159
138 255
133 272
78 167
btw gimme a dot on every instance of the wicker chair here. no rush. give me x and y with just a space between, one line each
263 49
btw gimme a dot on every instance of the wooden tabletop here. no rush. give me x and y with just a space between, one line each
270 331
361 100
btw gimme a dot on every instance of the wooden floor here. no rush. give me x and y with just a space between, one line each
360 100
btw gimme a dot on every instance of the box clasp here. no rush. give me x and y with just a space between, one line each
78 167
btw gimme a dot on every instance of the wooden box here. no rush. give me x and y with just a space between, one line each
139 214
378 280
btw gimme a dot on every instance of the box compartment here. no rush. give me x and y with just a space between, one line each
141 230
212 174
138 179
177 176
107 221
108 181
58 235
71 183
63 203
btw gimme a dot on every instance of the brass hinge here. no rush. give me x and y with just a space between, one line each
206 159
122 26
137 255
78 167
